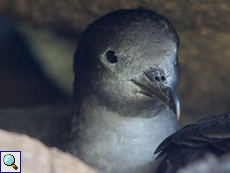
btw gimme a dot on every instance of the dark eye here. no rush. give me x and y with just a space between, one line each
111 57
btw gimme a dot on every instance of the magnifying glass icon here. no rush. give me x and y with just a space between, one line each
9 160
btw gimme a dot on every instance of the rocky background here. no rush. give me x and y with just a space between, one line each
38 39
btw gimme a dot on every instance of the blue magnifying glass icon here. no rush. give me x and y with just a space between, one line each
9 160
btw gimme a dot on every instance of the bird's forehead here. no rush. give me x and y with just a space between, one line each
144 40
150 51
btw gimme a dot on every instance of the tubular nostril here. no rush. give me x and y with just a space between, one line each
162 78
157 78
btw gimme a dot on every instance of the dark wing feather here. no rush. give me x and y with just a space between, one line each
208 135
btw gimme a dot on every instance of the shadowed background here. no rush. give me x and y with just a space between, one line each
38 40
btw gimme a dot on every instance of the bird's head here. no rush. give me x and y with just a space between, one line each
128 59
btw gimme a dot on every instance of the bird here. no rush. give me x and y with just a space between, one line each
125 102
194 142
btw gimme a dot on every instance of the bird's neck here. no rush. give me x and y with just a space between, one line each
113 143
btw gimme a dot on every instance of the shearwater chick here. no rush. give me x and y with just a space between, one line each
126 73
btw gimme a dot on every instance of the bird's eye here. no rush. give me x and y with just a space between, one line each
111 57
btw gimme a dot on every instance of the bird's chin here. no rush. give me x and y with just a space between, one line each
142 106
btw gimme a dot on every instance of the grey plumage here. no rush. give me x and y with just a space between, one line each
126 73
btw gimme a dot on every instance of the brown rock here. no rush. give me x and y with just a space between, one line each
77 14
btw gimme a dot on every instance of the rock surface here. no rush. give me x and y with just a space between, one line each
37 158
46 123
76 15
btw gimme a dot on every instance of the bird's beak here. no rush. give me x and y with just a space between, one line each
153 83
169 98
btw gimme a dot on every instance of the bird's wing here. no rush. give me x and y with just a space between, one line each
208 135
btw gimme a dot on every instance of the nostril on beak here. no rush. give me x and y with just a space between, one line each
163 78
160 79
157 78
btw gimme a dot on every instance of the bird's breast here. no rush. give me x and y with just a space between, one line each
121 144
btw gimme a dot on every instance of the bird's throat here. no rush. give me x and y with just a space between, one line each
114 143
